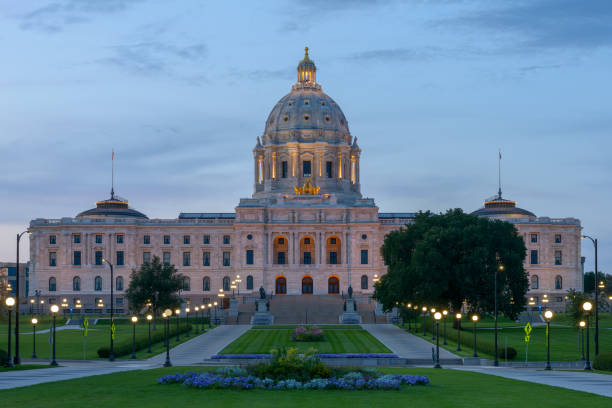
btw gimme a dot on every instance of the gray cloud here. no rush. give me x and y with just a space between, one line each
55 16
397 54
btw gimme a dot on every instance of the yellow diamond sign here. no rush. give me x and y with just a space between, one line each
527 329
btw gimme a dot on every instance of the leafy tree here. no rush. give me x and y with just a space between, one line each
576 300
451 258
589 281
157 283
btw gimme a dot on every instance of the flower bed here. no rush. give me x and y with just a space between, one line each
302 333
350 381
322 355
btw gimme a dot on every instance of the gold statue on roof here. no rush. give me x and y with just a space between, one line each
307 189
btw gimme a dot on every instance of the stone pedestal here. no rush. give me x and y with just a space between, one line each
350 315
262 314
233 308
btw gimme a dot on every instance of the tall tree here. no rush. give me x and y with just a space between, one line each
157 283
449 258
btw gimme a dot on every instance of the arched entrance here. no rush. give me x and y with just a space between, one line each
333 285
307 285
281 285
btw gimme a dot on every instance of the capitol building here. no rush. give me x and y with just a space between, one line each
306 229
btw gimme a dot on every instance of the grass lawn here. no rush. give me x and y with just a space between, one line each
25 367
448 388
338 339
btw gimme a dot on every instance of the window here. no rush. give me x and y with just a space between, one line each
333 286
206 240
52 259
119 283
534 238
186 258
120 239
166 258
76 258
226 258
534 257
307 241
281 241
98 239
146 240
186 239
226 283
535 282
364 256
364 282
226 240
280 258
166 239
284 169
558 282
119 301
120 260
98 283
249 237
333 258
186 284
98 257
328 169
558 258
249 257
557 238
333 250
206 258
364 236
76 238
307 168
249 282
206 284
76 284
307 258
52 240
332 241
281 285
146 257
52 284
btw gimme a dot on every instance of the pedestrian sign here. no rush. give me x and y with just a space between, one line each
113 331
85 326
527 329
527 339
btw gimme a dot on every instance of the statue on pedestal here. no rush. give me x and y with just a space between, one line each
262 293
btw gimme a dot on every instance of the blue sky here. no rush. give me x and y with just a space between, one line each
182 89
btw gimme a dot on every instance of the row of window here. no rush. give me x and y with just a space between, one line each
534 237
226 283
146 239
534 257
535 282
76 284
333 285
307 169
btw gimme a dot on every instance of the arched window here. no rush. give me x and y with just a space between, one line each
119 283
558 282
97 283
76 284
334 250
535 282
249 282
186 284
281 248
206 284
52 284
364 282
333 285
307 285
281 285
307 250
226 283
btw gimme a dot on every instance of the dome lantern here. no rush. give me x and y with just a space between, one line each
307 71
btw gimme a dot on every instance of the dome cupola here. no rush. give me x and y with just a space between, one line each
307 71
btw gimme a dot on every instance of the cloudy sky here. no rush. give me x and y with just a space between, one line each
181 90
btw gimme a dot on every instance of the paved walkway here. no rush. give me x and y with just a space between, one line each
574 380
190 352
406 345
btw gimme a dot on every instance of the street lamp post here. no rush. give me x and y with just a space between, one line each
458 317
111 354
501 268
197 317
134 321
444 314
54 310
596 335
34 322
437 317
10 302
548 316
202 307
475 320
581 338
238 280
216 308
433 312
149 318
424 309
17 359
166 315
209 318
177 312
587 306
187 310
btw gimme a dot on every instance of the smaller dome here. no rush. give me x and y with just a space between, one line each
499 207
115 206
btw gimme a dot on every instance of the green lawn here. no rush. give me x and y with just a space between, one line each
338 339
25 367
448 388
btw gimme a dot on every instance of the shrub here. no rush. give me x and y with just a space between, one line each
287 364
123 348
603 361
3 358
302 333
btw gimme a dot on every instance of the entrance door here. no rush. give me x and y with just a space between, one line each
307 285
281 285
333 286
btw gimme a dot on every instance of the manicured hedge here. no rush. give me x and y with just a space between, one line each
467 341
124 348
3 358
603 362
